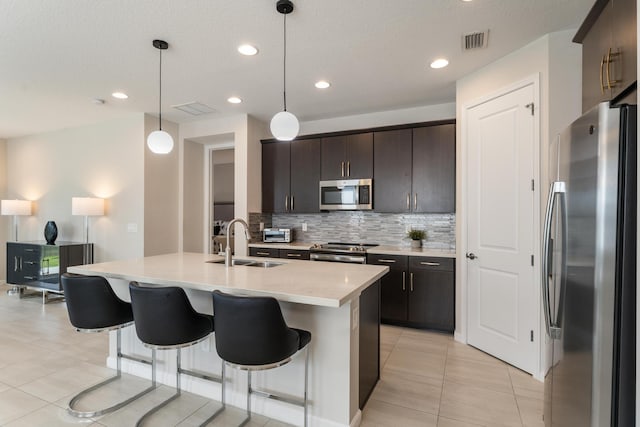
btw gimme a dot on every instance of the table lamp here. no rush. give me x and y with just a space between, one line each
15 208
87 206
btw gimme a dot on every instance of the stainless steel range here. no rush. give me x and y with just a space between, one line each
341 252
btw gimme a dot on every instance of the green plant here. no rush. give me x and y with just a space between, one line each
416 234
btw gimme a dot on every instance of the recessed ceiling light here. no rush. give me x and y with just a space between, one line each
247 49
120 95
439 63
466 1
234 100
322 84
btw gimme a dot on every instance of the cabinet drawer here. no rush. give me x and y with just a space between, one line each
294 254
431 263
394 262
264 252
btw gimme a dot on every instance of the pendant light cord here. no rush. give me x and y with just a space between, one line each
284 65
160 100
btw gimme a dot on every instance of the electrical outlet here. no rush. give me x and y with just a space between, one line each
304 226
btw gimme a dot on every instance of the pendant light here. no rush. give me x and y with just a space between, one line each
284 125
159 141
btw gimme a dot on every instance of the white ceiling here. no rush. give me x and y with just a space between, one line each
56 56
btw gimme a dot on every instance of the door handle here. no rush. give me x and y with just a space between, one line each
415 202
342 169
557 188
411 281
286 203
294 255
404 287
292 208
471 256
611 83
434 264
408 201
602 74
15 263
348 168
391 261
263 253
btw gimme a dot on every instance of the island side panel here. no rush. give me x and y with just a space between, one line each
369 342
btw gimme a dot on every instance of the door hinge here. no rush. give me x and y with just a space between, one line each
532 335
532 106
533 185
531 260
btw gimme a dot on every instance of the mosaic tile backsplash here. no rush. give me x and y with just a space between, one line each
364 227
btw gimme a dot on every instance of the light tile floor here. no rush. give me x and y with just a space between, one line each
427 379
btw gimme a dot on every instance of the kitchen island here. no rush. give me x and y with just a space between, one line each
337 303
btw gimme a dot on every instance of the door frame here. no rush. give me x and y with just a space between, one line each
461 333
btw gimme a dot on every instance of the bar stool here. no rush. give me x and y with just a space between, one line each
165 320
94 307
251 335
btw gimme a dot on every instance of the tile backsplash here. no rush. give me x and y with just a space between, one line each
364 227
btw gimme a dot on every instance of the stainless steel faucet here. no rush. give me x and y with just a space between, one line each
228 260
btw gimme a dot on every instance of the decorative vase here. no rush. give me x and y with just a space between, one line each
51 232
416 243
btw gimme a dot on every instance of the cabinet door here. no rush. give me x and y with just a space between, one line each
624 36
431 299
595 47
392 171
393 299
275 177
305 176
294 254
14 275
359 156
333 158
434 169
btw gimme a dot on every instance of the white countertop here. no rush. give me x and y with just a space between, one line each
381 250
314 283
407 250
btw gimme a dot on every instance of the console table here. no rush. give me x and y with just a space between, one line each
38 266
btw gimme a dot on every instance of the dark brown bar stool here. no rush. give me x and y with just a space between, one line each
165 320
94 307
251 335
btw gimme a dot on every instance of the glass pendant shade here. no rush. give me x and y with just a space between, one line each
284 126
160 142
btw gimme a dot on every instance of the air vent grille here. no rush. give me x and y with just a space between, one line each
475 40
194 108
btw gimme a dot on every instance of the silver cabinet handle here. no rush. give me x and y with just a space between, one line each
30 277
30 262
411 281
404 288
408 201
286 203
15 263
557 188
342 169
292 208
415 202
263 253
20 260
433 264
387 260
348 168
294 255
29 250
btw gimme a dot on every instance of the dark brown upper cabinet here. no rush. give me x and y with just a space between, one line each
290 176
415 170
608 37
392 162
347 157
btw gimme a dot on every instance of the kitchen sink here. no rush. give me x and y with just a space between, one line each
248 263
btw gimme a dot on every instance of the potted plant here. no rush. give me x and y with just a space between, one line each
416 237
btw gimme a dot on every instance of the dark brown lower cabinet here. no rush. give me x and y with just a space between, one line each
280 253
265 252
417 292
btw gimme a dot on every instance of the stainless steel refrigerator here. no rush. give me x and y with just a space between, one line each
589 272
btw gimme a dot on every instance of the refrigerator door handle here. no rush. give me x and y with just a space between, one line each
557 188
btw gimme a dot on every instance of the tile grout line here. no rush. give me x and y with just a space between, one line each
514 396
446 358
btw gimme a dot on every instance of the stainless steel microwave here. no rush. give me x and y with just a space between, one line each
348 194
277 235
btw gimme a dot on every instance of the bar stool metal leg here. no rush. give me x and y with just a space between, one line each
88 414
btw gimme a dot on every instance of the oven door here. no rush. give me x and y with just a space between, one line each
350 194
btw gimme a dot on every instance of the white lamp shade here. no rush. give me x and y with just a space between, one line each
284 126
160 142
15 207
87 206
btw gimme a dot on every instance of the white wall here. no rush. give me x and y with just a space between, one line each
382 118
102 160
558 62
5 222
160 193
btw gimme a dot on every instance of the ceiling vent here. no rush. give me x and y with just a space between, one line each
194 108
475 40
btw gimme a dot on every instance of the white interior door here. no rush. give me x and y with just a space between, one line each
500 227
